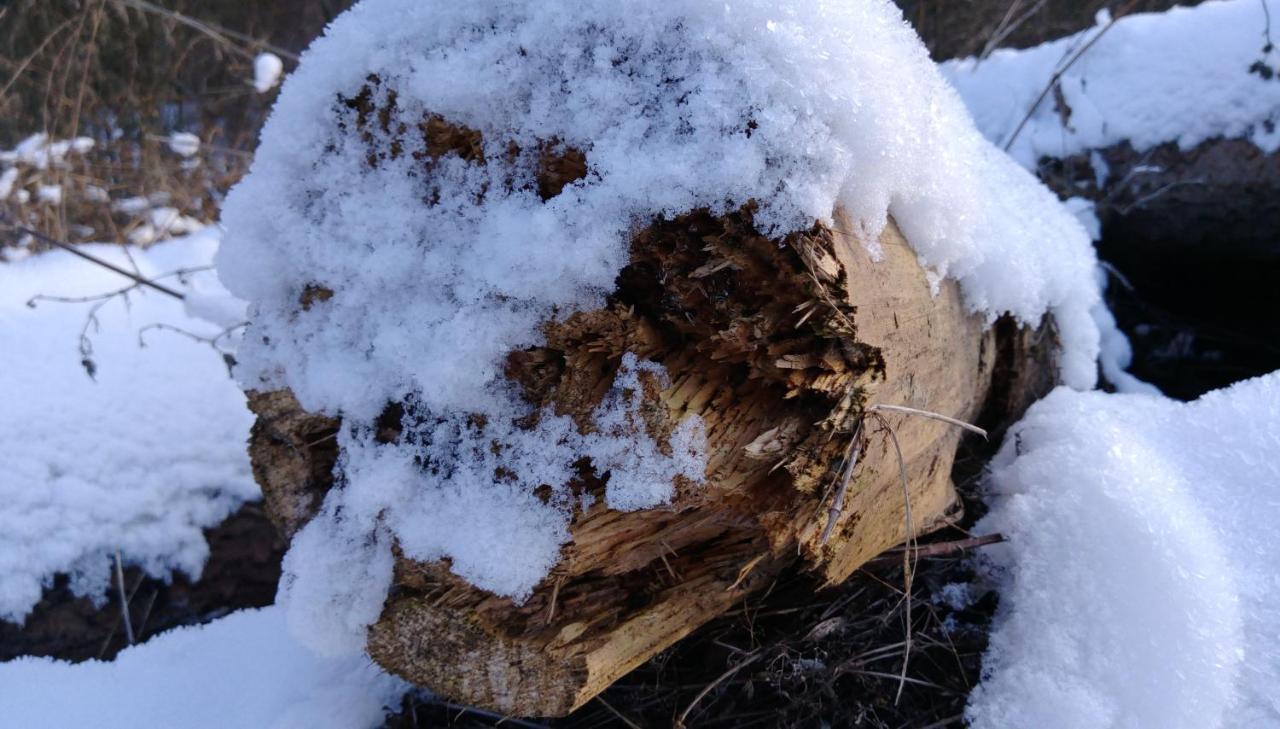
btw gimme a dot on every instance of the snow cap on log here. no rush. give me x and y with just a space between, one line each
535 255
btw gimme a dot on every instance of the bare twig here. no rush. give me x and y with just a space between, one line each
1152 196
1057 75
945 549
855 451
1266 30
211 341
91 258
943 723
490 715
1009 24
555 593
216 32
929 414
17 73
837 500
908 575
719 680
146 614
124 599
890 676
621 717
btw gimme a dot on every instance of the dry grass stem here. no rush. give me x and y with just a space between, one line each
124 599
837 500
928 414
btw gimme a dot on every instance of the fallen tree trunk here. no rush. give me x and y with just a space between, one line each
781 348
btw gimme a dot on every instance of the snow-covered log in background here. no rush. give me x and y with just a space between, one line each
1167 123
592 302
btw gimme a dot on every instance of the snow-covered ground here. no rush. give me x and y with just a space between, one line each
1186 75
1141 583
138 459
242 671
110 446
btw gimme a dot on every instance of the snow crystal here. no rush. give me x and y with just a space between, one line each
267 68
7 180
1185 75
801 107
1139 581
184 144
239 671
51 194
140 458
40 152
95 194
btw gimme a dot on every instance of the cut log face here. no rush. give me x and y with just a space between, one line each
779 347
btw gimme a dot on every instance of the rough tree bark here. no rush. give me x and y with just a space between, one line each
780 347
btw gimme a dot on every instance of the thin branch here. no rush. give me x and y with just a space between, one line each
34 300
124 600
490 715
216 32
1266 31
928 414
719 680
837 501
945 549
1152 196
22 67
908 574
890 676
211 341
1057 75
1008 25
91 258
943 723
621 717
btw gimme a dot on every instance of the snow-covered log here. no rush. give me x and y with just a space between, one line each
779 350
570 321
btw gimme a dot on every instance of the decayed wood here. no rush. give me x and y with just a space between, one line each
778 420
780 389
779 347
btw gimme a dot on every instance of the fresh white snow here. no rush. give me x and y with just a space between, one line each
41 152
184 144
161 222
267 68
141 457
239 671
1139 586
800 106
1179 76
